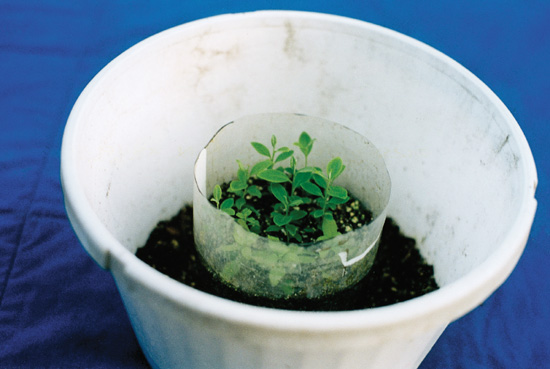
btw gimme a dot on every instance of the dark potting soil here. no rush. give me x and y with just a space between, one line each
399 273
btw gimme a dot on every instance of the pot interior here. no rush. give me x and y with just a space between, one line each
454 153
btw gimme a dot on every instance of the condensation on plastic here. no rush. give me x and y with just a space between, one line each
265 267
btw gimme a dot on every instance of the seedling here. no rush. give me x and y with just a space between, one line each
303 199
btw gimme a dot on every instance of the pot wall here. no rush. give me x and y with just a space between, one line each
462 174
172 337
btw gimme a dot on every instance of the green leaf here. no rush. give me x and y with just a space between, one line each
273 141
341 170
304 139
242 173
328 215
217 193
274 176
260 167
239 203
255 211
321 202
320 180
312 189
297 214
305 143
299 238
337 191
245 213
291 229
261 149
253 222
279 192
227 204
283 156
292 163
228 211
241 165
281 220
226 207
254 191
237 185
273 228
296 201
317 213
300 178
335 167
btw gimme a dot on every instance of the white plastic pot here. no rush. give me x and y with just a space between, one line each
463 179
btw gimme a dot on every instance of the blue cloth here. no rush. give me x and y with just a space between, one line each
58 309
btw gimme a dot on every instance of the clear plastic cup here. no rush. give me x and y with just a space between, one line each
261 266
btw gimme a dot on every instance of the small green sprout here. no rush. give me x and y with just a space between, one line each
226 205
305 144
217 195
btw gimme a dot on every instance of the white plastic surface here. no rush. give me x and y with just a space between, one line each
463 179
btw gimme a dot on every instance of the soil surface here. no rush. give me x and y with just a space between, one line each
399 273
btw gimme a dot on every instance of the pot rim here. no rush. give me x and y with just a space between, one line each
435 308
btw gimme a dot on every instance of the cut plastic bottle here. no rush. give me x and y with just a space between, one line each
261 266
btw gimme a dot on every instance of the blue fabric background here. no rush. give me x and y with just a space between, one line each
58 309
